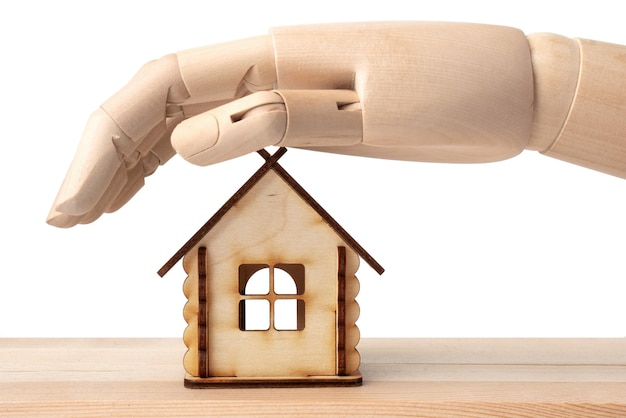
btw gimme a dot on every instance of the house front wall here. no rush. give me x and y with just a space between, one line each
269 226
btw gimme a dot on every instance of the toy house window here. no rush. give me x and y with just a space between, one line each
269 297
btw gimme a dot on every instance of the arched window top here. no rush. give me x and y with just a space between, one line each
284 284
254 279
289 279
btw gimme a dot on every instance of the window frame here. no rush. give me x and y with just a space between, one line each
295 271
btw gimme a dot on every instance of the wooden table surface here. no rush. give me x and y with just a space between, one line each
402 377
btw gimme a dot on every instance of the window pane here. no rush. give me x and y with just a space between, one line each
254 279
289 279
288 314
254 315
283 283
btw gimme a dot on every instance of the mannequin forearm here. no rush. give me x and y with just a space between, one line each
580 102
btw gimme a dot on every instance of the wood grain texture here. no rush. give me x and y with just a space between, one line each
403 377
325 215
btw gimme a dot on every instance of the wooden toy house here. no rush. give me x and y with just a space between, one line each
271 290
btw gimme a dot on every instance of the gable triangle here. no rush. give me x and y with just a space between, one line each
271 163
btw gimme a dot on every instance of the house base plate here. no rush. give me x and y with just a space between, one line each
193 382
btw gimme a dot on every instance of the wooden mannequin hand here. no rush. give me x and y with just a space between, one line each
128 137
431 91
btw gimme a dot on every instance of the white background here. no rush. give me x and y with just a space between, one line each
529 247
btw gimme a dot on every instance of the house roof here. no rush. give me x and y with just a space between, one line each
271 163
